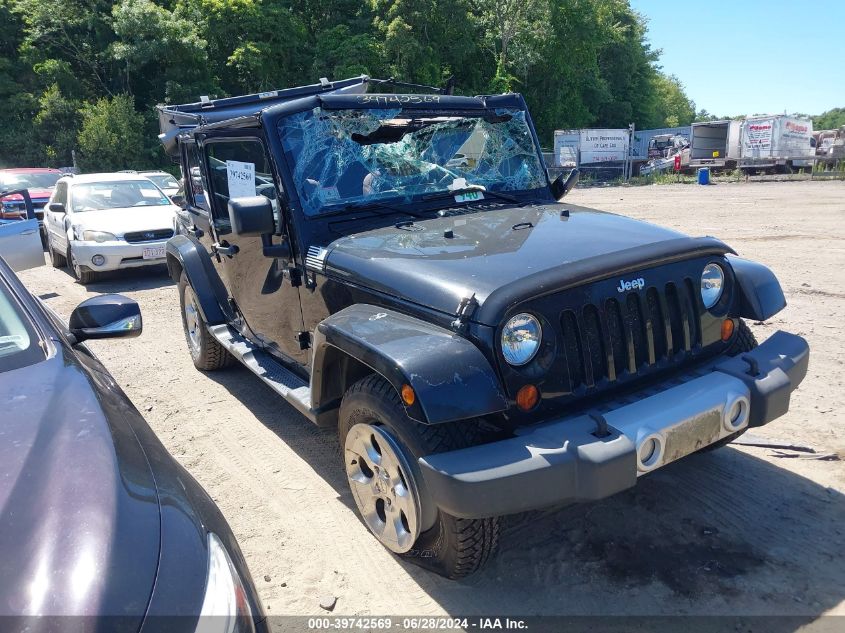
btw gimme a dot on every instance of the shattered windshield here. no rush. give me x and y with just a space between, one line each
362 156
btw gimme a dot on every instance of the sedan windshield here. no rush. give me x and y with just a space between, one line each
361 156
117 194
30 180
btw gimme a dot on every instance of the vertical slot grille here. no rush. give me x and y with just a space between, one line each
629 334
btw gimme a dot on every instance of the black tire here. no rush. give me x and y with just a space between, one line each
84 277
56 260
744 341
451 547
206 351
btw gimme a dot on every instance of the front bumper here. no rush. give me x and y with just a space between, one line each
117 254
563 461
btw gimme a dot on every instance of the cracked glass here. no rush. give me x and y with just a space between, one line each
391 156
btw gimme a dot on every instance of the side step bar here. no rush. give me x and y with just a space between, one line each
279 378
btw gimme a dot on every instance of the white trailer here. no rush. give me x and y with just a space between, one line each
715 144
776 141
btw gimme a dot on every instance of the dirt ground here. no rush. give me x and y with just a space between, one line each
740 531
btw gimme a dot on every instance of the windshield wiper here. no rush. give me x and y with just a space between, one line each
377 207
458 192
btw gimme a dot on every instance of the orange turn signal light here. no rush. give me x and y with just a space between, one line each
408 395
527 397
727 329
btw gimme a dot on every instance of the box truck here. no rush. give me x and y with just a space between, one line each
715 144
776 142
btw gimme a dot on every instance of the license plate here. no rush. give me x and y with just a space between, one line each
156 252
694 434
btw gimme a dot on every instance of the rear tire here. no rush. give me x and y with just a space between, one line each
447 545
744 341
206 351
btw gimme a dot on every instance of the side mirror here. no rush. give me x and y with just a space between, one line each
251 215
106 316
57 207
178 199
561 187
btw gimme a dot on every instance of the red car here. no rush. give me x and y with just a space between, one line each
39 181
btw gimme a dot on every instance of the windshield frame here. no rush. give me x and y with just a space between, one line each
423 198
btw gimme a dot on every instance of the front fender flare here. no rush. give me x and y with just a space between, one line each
759 295
188 255
450 376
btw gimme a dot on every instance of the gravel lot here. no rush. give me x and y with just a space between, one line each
741 531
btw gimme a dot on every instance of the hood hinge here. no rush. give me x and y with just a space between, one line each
465 310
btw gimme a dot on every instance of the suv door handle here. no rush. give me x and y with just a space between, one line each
228 251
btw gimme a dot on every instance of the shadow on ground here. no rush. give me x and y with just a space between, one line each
720 533
128 279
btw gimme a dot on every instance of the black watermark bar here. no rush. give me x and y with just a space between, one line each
433 624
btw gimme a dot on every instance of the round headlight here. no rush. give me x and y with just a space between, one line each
521 339
712 282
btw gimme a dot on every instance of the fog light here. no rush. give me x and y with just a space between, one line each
527 397
649 453
737 415
727 329
98 260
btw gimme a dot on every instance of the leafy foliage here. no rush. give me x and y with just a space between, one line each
85 75
830 120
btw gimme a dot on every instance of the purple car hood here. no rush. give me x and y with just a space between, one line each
79 514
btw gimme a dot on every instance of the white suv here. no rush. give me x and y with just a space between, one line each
101 222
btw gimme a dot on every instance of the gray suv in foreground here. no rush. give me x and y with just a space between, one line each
100 528
401 268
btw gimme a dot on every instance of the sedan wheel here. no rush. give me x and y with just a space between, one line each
82 276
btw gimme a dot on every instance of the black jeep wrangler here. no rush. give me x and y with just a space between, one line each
401 267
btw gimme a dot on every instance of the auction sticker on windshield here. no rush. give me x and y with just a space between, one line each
469 196
153 252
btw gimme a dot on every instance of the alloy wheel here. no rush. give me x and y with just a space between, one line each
383 486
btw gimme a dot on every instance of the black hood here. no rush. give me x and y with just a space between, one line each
79 513
504 255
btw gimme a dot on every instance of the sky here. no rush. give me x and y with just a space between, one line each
740 57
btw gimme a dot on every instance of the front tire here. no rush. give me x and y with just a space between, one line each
82 276
381 445
206 351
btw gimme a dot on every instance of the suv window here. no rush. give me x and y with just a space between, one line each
61 193
238 168
194 187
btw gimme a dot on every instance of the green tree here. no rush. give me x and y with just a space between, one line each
112 136
830 120
162 55
56 127
673 108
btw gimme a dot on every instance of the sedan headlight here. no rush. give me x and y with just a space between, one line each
521 338
712 283
225 608
98 236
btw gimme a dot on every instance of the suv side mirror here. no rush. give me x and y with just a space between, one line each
561 187
251 215
57 207
178 199
106 316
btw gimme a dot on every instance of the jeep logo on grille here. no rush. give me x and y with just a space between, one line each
632 284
